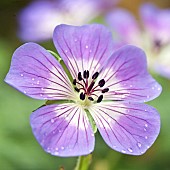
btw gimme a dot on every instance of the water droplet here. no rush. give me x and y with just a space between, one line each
41 95
92 134
53 131
21 75
56 149
38 82
130 150
33 79
87 46
42 88
146 137
52 120
48 149
159 88
75 40
123 151
145 129
66 51
146 125
139 144
131 86
145 110
62 147
153 88
90 150
25 92
148 96
90 51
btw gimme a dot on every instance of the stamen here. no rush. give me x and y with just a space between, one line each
90 87
91 98
95 75
86 74
101 83
76 89
79 76
105 90
82 96
99 98
74 82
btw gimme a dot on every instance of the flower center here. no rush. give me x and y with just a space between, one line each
88 89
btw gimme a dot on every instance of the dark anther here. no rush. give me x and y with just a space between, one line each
99 98
79 76
101 82
76 89
86 74
95 75
105 90
91 86
74 82
90 98
82 96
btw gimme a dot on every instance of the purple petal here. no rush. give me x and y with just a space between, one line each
129 128
63 130
127 78
36 73
124 26
156 22
38 20
83 48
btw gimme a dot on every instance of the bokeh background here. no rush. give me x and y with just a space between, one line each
18 148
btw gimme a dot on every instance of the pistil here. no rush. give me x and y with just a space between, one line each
88 90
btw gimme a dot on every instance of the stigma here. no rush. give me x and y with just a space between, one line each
89 89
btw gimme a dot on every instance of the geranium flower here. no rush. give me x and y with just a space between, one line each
38 20
105 86
153 35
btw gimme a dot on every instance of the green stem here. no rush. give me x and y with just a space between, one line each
83 162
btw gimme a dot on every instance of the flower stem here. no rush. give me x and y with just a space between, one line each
83 162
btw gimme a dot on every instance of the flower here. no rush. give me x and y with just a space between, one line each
38 20
109 87
153 35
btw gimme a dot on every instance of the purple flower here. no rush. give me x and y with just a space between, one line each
106 87
153 36
38 20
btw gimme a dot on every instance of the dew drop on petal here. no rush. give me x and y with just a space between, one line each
21 75
62 147
25 92
90 51
92 134
146 137
123 151
87 46
145 129
139 144
146 125
38 82
52 120
75 40
33 79
130 150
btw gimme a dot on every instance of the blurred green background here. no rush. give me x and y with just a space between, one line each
19 149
